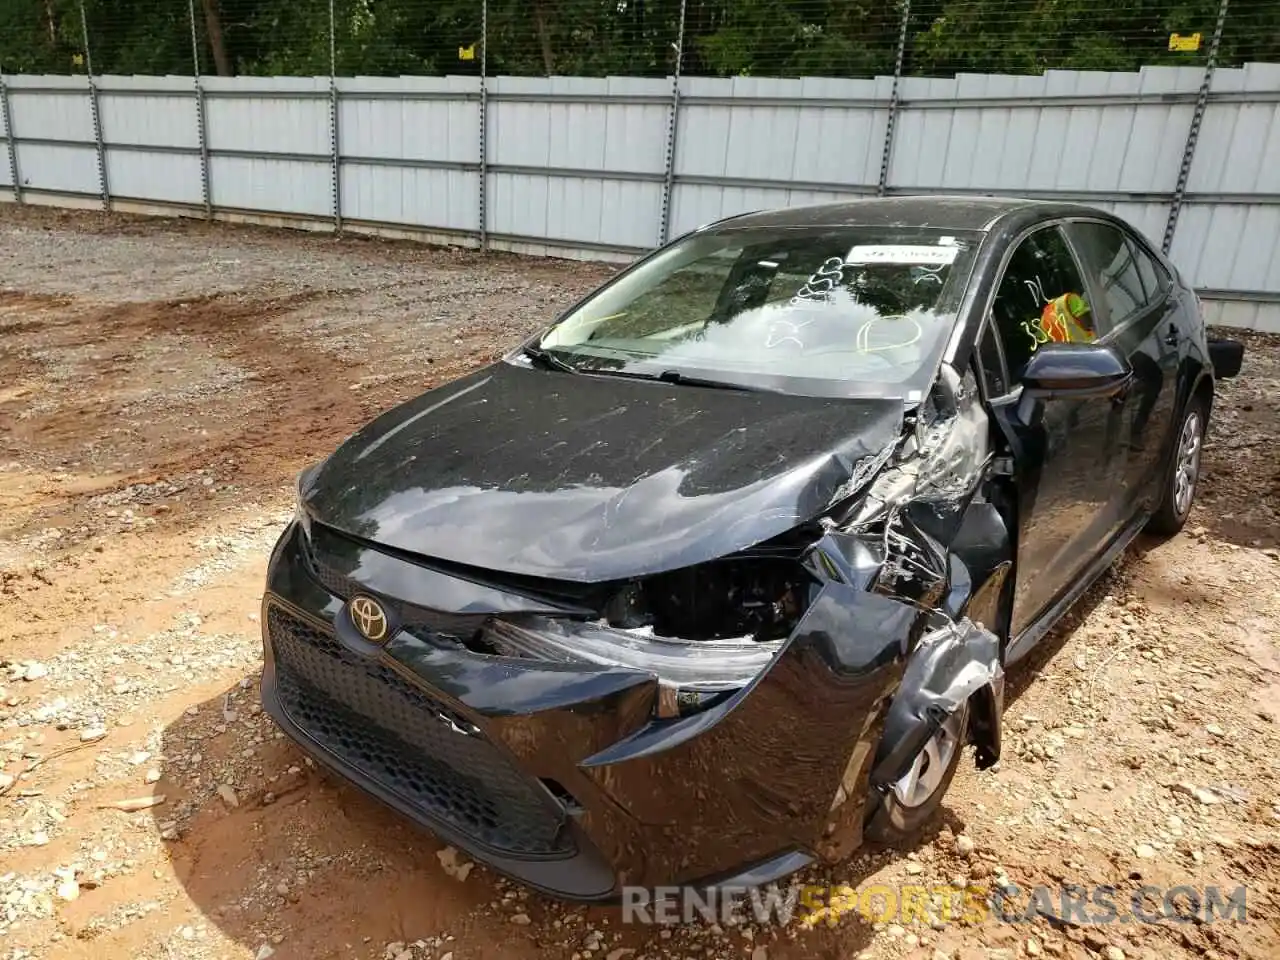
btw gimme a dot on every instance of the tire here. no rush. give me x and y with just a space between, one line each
1182 476
901 813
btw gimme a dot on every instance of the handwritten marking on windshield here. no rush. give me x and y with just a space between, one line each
793 328
818 288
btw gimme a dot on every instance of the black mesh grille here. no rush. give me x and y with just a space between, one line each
413 745
332 580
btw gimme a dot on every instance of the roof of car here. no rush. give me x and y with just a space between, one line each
942 212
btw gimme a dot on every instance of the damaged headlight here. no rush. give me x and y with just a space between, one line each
300 515
702 631
706 666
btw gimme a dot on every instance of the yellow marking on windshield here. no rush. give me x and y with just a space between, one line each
864 335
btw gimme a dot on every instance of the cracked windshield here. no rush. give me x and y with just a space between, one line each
848 311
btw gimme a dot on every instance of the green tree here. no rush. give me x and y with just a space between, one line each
788 38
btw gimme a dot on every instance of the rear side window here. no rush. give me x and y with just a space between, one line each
1041 277
1154 278
1110 259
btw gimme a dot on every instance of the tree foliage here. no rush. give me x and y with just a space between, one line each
847 38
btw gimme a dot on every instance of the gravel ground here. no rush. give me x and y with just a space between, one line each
161 383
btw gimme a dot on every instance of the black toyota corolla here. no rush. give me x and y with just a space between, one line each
719 574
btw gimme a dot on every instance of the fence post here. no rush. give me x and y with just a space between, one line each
887 155
1193 132
10 140
205 194
334 139
484 124
673 126
104 189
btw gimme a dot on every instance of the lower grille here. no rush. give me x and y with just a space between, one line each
429 756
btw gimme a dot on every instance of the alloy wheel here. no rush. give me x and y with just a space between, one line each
1187 468
929 768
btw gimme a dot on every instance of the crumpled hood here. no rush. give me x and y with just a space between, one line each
590 478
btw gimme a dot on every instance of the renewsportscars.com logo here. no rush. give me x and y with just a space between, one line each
826 904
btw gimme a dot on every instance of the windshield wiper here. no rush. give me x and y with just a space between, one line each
547 359
675 376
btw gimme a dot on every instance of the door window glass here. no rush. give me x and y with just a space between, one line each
1109 258
1042 298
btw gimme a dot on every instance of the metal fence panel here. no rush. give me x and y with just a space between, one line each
580 166
6 155
1041 134
808 134
602 149
446 200
60 168
410 118
56 149
271 185
51 107
147 175
580 123
268 114
1228 237
697 204
576 210
150 111
151 137
1242 314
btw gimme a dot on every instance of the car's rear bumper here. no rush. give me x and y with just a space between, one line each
559 775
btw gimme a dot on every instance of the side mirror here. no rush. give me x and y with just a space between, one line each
1227 357
1063 370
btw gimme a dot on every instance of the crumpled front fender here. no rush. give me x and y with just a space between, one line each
954 664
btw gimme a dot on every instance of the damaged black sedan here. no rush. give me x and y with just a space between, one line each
719 575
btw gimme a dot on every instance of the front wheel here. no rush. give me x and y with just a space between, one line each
1183 474
906 807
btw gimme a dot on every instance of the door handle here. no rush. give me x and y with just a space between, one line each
1123 389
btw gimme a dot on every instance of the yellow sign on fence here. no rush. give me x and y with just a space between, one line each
469 53
1178 42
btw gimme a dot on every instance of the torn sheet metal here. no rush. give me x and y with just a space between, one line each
864 470
956 445
956 663
943 459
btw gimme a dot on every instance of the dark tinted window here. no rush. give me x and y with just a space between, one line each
1154 278
1040 273
1108 256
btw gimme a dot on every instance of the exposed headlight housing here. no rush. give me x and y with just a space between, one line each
707 666
703 631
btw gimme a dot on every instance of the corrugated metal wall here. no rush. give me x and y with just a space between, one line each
594 167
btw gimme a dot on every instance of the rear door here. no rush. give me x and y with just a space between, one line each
1066 487
1136 314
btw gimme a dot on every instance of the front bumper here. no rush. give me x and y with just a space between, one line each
558 774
